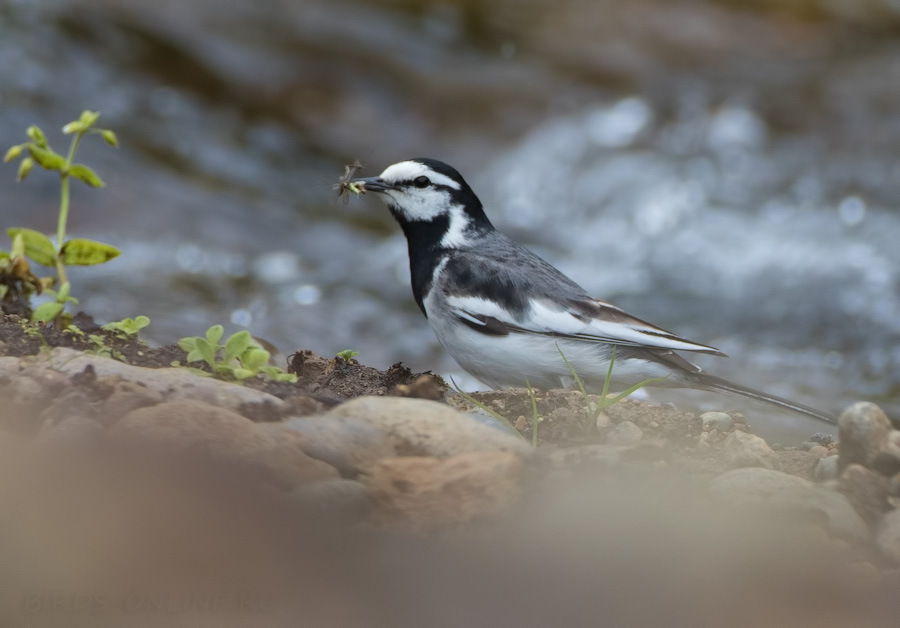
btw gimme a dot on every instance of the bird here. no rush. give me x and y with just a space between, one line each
511 319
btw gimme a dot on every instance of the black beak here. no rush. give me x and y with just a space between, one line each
374 184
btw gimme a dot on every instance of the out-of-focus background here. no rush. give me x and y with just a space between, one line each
728 170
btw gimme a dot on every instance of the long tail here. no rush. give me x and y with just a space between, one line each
717 384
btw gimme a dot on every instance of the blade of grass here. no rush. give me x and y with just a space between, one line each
612 361
638 386
587 400
482 406
534 416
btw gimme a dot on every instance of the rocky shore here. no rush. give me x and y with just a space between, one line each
362 497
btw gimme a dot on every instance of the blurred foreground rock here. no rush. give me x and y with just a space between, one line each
163 488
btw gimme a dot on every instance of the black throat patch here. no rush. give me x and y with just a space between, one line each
425 252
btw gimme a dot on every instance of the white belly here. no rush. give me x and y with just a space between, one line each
519 360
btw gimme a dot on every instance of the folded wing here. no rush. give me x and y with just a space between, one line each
588 320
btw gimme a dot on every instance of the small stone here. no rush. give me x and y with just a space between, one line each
822 439
807 445
717 420
603 421
863 431
625 433
521 423
418 427
819 452
826 469
747 450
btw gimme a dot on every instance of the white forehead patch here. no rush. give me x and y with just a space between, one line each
409 170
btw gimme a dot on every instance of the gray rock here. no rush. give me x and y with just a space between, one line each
766 488
826 469
418 427
747 450
223 434
350 445
717 420
625 433
173 383
863 430
887 537
866 490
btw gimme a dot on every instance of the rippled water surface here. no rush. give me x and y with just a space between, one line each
730 174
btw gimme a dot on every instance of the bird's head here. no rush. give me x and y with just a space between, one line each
429 191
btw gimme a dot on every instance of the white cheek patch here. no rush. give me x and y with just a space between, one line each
409 170
419 205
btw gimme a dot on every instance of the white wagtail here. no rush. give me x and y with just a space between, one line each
507 316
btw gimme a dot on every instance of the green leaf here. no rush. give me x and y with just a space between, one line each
141 321
18 245
83 173
4 255
64 292
25 167
285 377
37 136
188 344
240 374
13 152
46 312
194 355
74 127
237 344
254 358
37 246
214 334
46 158
80 252
110 137
88 118
207 350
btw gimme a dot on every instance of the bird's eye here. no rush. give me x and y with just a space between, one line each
421 182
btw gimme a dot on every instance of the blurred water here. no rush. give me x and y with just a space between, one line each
729 174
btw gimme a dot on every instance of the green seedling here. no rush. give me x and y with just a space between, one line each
37 246
347 354
239 358
127 328
594 405
101 349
